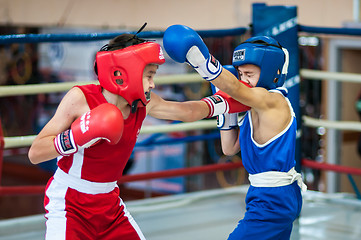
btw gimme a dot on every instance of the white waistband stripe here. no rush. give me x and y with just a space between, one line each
82 185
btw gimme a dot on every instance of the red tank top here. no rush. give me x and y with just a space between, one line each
103 162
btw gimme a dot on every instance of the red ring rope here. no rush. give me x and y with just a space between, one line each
19 190
330 167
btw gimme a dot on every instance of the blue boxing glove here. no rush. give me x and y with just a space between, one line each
183 44
227 121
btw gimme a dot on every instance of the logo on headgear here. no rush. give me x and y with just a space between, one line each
239 55
161 55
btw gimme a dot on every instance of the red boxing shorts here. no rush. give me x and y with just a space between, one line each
79 209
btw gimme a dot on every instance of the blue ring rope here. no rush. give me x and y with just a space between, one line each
82 37
330 30
77 37
38 38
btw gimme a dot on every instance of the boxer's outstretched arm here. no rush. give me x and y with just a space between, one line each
189 111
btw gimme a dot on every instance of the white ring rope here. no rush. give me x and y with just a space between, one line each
32 89
22 141
339 125
330 76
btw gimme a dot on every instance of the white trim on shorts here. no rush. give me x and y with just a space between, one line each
131 220
56 219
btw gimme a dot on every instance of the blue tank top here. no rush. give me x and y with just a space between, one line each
278 154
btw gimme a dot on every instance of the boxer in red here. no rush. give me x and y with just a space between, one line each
93 133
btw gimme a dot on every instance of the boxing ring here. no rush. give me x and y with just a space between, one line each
206 214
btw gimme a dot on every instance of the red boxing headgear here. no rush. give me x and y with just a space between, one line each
121 71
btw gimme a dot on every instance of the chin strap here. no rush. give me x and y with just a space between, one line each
134 106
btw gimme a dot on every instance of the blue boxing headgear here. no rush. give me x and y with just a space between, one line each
266 53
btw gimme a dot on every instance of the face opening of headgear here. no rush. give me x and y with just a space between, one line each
119 66
266 53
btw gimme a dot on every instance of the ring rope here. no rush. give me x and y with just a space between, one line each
330 30
340 125
332 76
39 38
33 89
330 167
66 37
182 172
13 190
23 141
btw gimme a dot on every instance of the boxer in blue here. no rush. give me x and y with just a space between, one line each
266 135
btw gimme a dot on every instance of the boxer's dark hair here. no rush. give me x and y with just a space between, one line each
124 40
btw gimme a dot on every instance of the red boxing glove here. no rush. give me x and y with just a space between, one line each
221 103
103 122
